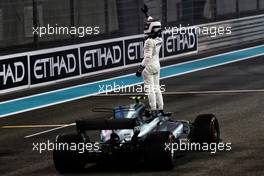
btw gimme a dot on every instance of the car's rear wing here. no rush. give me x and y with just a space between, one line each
106 124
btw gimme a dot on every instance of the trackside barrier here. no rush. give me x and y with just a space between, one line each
43 67
244 30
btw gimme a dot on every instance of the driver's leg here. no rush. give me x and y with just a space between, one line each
159 97
149 89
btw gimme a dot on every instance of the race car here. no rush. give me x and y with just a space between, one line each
132 135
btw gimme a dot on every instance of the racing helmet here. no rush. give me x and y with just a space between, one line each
152 27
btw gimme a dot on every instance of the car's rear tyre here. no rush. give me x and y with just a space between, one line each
206 129
67 161
157 155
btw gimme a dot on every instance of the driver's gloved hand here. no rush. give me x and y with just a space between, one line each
139 70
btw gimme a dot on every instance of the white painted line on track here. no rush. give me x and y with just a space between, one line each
85 96
50 130
187 92
31 126
165 93
182 63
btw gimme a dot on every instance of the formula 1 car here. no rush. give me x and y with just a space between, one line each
132 135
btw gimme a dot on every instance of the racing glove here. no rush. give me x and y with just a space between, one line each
139 71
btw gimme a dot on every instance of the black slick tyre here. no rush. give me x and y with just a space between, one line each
65 160
157 155
206 129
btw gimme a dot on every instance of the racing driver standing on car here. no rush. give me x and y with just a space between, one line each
150 66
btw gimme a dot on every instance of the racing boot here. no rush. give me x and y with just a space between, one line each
162 113
154 113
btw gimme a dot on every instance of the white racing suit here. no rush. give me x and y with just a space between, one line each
151 73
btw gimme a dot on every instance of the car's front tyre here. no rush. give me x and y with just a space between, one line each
206 129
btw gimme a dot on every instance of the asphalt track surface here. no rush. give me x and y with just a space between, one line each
240 115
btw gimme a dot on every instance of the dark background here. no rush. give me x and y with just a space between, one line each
115 18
